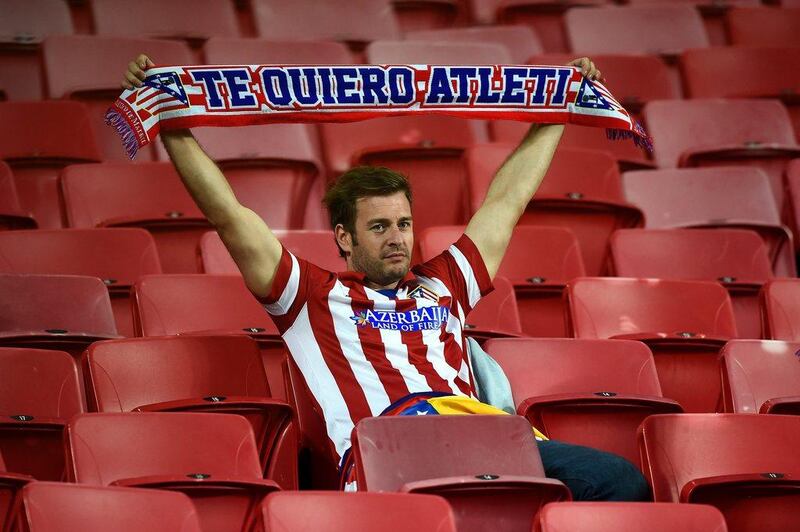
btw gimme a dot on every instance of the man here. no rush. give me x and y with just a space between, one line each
368 338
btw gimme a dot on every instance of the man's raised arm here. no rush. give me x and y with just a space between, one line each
248 239
514 185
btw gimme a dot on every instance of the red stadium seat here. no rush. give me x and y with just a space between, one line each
275 170
793 192
355 23
23 26
66 312
685 323
12 216
212 458
521 42
59 507
736 258
191 20
445 52
405 453
426 148
780 306
355 512
546 17
147 195
593 392
38 139
538 278
496 315
219 304
761 376
629 517
10 485
118 256
413 15
227 376
41 391
228 51
764 26
317 247
88 68
713 197
745 465
724 133
660 29
581 192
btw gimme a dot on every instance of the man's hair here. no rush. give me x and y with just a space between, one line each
357 183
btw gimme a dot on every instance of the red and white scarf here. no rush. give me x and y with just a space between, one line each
179 97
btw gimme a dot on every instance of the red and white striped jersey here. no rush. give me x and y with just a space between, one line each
359 350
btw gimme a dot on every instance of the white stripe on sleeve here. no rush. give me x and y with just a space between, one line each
473 291
284 303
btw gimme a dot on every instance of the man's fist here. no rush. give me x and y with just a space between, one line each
589 70
135 74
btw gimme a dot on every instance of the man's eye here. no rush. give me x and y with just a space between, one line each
405 225
377 227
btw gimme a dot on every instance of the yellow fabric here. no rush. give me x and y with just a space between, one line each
453 405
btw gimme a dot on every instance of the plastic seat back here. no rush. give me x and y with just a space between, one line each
780 305
741 463
118 256
764 26
95 508
41 392
520 42
629 517
227 50
37 140
355 512
147 195
761 376
12 215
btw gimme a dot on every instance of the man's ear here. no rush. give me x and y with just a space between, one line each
344 239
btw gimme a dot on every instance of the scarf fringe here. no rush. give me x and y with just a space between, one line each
638 135
115 119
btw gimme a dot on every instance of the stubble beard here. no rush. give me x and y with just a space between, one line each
376 270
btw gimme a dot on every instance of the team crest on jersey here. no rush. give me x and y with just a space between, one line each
423 292
419 319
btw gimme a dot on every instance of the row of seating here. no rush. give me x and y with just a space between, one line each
212 458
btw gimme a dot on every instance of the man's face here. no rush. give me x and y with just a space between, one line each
384 238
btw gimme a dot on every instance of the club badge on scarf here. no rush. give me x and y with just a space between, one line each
188 96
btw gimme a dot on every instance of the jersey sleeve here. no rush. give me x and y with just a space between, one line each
461 268
291 288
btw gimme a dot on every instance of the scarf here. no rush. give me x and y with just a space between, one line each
180 97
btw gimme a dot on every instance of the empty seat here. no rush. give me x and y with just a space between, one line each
793 191
66 312
317 247
724 133
274 169
446 52
764 26
219 304
355 512
629 517
151 375
581 191
40 392
713 197
212 458
404 453
761 376
146 195
780 306
520 42
496 315
538 277
745 465
414 15
118 256
426 148
355 23
191 20
60 507
685 323
546 17
736 258
87 68
37 140
229 51
10 485
23 26
587 392
12 216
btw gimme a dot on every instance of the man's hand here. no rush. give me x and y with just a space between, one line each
587 67
135 74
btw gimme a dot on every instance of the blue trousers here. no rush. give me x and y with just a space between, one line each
591 474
